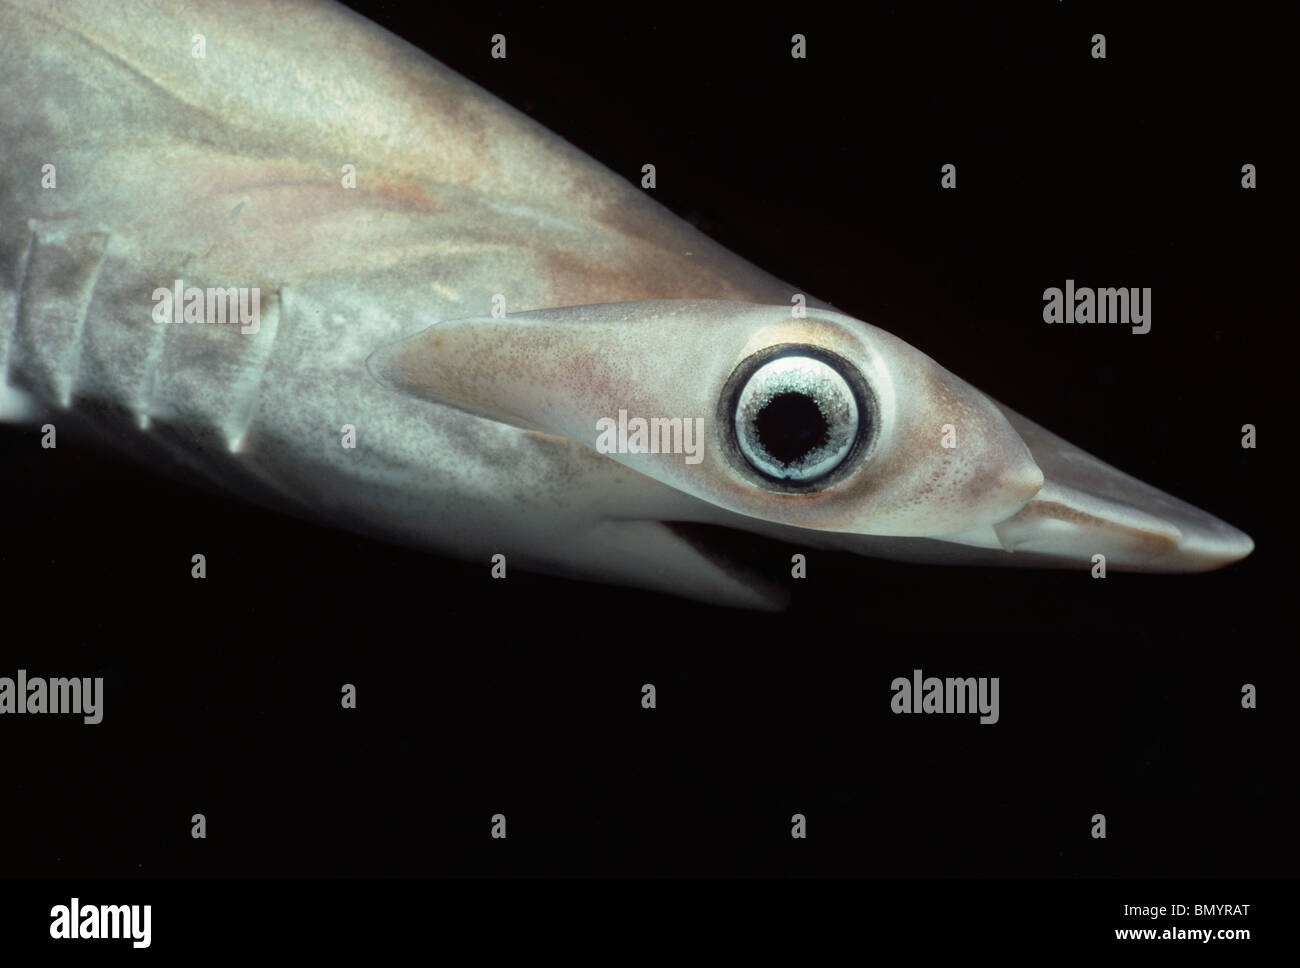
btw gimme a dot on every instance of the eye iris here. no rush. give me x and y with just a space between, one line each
796 419
791 426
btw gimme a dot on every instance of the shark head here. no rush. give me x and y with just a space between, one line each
809 426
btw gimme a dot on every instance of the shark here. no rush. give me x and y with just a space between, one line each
277 249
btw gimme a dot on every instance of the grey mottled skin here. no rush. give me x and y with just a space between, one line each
226 171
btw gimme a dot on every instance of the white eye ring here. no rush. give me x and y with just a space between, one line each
796 419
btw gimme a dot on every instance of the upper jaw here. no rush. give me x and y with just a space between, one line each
1086 507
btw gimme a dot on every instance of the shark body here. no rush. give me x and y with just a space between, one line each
134 165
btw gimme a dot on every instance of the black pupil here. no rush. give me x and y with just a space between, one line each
791 426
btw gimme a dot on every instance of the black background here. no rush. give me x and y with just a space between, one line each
1119 696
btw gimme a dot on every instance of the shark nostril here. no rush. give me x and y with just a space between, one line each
790 426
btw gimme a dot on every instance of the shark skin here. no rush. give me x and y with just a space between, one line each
475 434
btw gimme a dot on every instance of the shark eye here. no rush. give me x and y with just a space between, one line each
796 418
